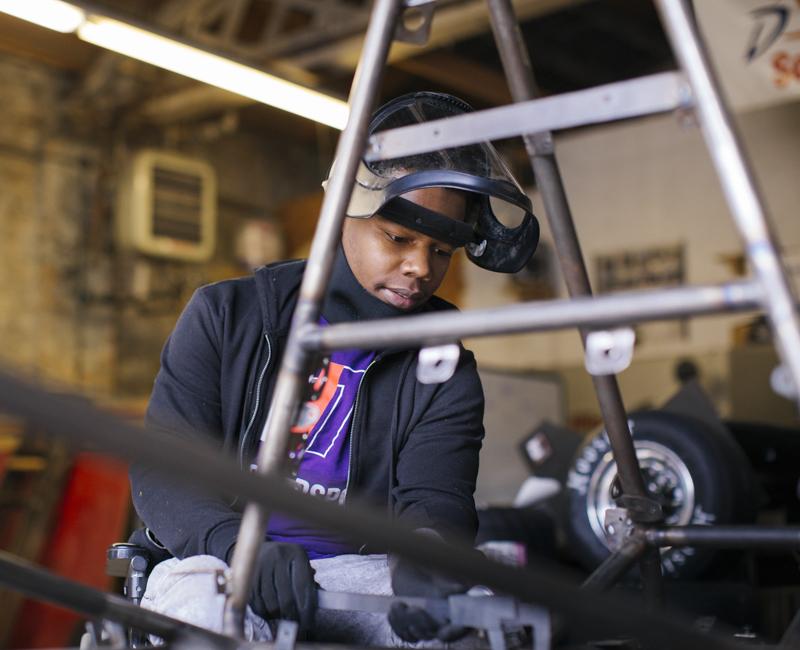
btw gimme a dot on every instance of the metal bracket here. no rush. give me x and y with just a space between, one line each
223 580
136 580
609 352
498 615
415 23
286 635
541 142
641 509
437 364
618 527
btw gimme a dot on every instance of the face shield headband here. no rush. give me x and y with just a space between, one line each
430 223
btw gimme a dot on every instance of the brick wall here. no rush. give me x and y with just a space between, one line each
43 261
74 308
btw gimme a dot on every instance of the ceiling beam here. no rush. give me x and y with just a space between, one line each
460 75
452 23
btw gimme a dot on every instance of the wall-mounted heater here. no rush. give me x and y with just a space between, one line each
167 206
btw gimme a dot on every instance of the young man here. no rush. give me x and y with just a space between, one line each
374 434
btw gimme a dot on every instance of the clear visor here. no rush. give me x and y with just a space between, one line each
475 168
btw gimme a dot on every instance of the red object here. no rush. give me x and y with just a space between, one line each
4 457
93 515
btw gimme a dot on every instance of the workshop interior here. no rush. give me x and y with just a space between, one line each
638 483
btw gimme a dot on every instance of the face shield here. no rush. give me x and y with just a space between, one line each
499 231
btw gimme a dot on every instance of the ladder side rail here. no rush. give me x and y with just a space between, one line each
291 376
738 182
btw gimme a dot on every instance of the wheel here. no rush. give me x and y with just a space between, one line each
697 474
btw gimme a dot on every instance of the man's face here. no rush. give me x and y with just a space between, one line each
397 265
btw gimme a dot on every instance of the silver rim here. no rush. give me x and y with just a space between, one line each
666 478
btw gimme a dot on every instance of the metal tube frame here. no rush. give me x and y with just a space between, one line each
657 93
771 291
271 455
40 584
617 564
200 463
539 316
737 181
519 72
749 537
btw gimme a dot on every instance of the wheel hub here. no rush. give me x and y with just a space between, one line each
666 478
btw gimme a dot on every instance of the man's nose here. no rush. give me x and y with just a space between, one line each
417 263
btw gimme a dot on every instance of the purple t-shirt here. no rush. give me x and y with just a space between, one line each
324 468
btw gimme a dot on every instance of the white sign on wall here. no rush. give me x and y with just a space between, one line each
755 47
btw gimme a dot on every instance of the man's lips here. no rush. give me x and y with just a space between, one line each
402 298
406 293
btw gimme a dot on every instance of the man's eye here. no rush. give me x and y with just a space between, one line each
396 238
444 253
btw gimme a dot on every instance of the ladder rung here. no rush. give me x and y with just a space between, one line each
656 93
539 316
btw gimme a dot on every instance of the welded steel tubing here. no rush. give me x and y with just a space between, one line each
201 463
616 565
597 312
522 84
737 180
40 584
292 375
755 537
657 93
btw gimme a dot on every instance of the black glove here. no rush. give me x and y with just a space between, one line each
284 586
412 623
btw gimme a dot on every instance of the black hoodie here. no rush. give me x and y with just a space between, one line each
414 446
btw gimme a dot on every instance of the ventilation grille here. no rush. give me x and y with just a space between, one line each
167 206
177 205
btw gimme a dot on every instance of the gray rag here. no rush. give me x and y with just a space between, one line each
187 590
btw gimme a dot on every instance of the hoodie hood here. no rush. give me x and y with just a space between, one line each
347 301
278 288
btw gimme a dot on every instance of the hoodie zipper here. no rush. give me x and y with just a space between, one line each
353 424
243 443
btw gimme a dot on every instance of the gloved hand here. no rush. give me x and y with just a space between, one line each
412 623
284 586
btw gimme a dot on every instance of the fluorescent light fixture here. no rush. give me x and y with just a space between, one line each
212 69
183 59
53 14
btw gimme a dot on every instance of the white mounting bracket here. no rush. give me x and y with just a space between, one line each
609 352
414 25
437 364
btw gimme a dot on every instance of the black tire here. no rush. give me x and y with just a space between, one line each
698 473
